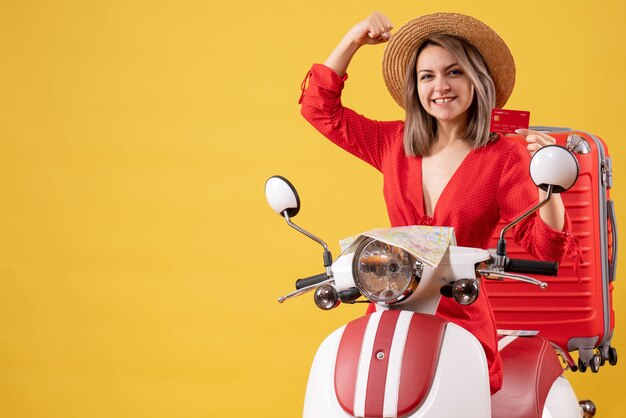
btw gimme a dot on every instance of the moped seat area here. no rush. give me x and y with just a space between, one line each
530 367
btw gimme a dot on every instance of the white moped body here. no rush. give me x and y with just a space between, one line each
402 360
459 383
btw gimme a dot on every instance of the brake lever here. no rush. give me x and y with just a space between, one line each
501 275
304 290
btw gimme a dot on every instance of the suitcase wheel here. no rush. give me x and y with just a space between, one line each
609 354
612 356
594 363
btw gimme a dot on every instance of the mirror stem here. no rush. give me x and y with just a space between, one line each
328 257
501 250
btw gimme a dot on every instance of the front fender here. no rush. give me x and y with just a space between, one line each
398 363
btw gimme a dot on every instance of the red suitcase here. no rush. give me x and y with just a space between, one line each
574 313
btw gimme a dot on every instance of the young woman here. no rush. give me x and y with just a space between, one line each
441 165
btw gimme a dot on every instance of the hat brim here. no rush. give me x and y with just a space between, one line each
405 40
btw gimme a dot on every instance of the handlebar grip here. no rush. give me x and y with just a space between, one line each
309 281
545 268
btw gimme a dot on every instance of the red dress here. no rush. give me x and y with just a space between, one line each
491 183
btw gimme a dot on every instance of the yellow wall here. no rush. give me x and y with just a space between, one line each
139 262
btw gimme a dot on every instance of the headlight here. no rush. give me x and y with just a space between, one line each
384 273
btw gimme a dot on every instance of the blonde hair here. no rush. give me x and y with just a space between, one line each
420 128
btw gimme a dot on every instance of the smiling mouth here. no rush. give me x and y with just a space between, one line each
444 100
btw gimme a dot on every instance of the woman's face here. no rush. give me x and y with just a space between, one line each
444 89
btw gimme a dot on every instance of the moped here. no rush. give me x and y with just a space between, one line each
403 360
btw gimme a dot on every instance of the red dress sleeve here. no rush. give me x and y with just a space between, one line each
322 108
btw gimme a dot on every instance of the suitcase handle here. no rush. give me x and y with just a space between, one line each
549 128
610 208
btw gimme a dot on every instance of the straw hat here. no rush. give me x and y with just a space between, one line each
493 49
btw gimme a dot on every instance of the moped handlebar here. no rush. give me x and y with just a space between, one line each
311 280
545 268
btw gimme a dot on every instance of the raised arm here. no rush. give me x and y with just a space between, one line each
371 31
321 97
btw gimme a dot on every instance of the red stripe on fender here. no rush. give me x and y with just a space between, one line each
377 377
421 355
347 364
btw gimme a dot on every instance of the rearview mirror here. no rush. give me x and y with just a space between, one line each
282 196
554 165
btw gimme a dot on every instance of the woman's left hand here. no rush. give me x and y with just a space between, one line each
535 139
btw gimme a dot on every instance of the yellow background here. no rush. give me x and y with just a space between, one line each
139 262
